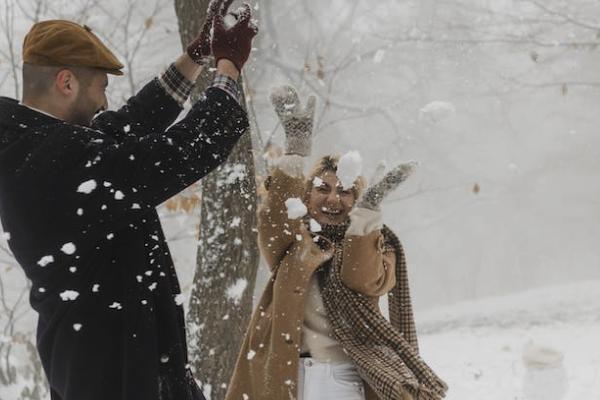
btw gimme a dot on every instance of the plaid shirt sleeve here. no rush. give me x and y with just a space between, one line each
228 85
176 85
180 88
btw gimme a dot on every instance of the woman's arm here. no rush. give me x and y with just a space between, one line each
368 266
276 232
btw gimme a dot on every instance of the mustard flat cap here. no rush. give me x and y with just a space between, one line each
60 42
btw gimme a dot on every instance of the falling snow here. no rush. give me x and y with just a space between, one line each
87 187
315 226
45 261
68 248
69 295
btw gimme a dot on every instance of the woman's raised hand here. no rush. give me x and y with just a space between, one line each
297 120
376 192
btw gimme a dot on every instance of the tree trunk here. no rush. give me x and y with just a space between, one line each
221 298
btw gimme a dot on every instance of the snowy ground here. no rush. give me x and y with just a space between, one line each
478 347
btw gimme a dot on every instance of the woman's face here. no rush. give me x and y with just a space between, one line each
328 202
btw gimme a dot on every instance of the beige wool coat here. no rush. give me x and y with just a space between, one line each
267 366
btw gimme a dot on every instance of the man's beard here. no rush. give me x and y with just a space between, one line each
83 111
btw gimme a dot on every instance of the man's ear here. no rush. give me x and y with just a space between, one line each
66 83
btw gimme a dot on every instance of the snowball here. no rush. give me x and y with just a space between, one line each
436 111
96 288
68 248
295 208
87 187
110 236
349 168
77 327
135 206
115 305
378 57
236 222
299 237
80 211
250 355
538 356
235 292
45 261
73 269
42 290
69 295
127 128
119 195
179 299
152 286
315 226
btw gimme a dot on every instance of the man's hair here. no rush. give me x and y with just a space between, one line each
38 79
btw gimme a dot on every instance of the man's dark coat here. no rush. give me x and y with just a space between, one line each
79 206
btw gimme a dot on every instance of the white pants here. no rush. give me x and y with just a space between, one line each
327 381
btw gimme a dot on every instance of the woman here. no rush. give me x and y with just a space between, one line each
317 332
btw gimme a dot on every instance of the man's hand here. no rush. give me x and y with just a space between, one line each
297 121
199 49
375 193
234 43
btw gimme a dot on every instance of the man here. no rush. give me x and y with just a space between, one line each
78 198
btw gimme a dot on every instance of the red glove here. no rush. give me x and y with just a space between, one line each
199 49
235 43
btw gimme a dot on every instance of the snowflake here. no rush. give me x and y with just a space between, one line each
45 261
69 295
87 187
68 248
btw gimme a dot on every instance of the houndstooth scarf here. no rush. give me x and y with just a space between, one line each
385 353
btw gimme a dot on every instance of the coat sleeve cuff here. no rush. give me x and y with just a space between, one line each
363 221
176 85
